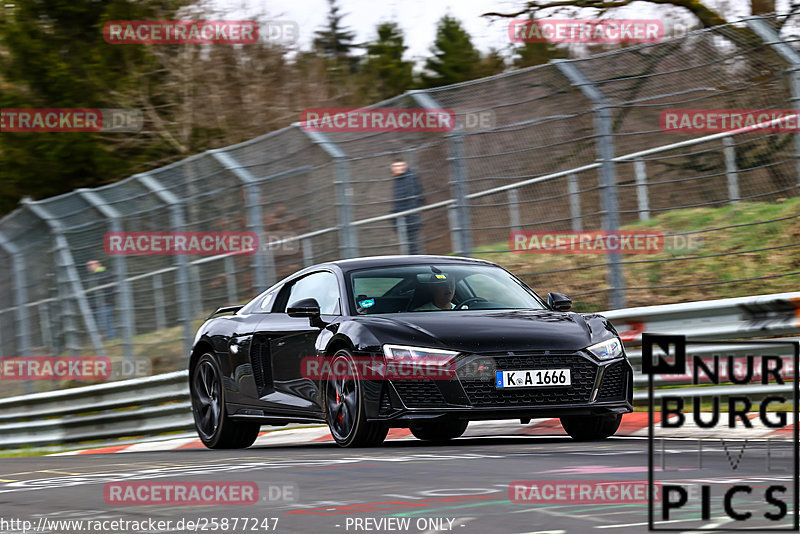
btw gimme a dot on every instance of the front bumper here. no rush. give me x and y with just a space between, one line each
597 388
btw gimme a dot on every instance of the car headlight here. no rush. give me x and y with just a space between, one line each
402 353
608 349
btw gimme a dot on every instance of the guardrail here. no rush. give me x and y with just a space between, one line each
160 404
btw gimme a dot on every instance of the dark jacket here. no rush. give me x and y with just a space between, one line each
105 296
407 192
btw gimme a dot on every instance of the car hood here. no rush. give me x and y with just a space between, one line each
487 331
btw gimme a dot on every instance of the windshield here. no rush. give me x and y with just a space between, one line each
432 288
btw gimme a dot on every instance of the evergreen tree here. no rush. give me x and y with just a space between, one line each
530 54
54 56
384 67
454 57
334 40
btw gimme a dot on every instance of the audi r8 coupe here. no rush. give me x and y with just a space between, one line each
427 343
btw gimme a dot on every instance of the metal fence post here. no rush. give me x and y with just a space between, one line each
22 328
230 279
196 294
458 185
730 170
458 181
158 301
70 284
348 244
263 260
402 232
574 202
308 252
513 210
643 200
45 326
608 180
124 306
770 37
182 277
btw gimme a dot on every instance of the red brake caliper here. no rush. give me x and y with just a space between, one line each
338 401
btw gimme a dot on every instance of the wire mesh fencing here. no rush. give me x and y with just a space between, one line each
568 148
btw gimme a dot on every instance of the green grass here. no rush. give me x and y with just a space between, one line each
676 276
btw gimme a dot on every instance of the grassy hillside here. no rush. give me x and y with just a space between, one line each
765 254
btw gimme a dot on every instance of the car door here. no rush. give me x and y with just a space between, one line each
281 342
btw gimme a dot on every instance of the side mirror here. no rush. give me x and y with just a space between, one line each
306 308
559 302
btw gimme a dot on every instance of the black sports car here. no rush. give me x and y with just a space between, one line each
424 342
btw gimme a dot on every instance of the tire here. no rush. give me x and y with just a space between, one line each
344 407
591 427
441 431
215 428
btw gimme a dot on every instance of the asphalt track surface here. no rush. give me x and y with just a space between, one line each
459 487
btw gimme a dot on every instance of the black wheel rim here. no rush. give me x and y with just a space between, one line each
341 398
206 399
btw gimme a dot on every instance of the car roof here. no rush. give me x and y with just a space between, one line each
389 261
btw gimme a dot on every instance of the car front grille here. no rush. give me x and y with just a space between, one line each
420 393
480 385
614 383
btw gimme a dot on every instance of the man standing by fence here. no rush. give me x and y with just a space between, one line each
407 196
101 298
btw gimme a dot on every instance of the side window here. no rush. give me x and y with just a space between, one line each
322 286
266 303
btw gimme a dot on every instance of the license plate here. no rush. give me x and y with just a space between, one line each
533 378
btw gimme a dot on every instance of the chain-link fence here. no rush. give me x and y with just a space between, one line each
574 145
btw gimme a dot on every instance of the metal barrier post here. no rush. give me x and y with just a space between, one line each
23 344
230 279
308 252
574 202
158 301
177 222
730 170
761 28
263 260
643 200
70 280
402 232
124 306
608 179
348 244
513 210
458 181
458 185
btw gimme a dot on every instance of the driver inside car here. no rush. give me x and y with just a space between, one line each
441 296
